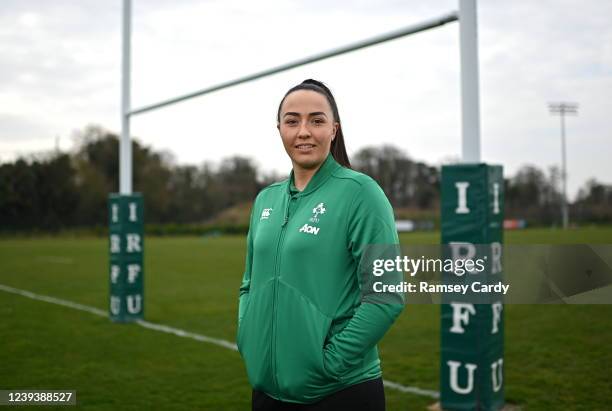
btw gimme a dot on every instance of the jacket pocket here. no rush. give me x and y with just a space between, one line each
254 336
337 366
301 330
240 334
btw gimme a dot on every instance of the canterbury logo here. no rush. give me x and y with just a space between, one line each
309 229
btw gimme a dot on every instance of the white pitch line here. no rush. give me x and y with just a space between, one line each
54 300
411 390
182 333
187 334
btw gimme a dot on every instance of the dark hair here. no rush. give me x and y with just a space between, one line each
337 149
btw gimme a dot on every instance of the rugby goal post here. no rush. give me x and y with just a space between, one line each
470 378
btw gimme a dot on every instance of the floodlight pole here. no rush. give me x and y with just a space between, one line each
562 109
470 101
564 171
125 144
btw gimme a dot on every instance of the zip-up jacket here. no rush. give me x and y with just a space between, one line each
303 330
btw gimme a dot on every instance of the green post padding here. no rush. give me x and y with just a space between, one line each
126 249
472 335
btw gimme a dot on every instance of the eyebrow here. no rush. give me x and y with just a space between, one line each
314 113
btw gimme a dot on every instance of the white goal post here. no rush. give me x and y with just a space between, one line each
470 106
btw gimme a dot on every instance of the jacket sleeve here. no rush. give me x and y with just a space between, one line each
371 222
245 286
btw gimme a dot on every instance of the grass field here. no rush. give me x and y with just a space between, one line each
556 357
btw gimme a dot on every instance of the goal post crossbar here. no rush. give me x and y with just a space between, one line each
381 38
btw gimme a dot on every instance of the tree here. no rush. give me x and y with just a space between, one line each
533 195
235 181
39 193
594 202
97 160
405 182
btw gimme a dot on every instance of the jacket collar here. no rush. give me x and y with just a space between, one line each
322 174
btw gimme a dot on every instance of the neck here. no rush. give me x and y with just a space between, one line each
302 176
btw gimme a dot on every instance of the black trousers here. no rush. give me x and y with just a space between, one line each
365 396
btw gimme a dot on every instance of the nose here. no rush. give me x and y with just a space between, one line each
303 131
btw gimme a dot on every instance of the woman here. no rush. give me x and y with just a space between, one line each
308 341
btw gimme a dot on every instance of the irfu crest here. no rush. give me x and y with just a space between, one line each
317 211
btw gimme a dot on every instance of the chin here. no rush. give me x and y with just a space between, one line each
308 163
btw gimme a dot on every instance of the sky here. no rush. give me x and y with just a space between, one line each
60 64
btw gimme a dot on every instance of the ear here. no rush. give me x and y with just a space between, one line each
336 127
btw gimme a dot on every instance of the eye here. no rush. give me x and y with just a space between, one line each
290 121
318 121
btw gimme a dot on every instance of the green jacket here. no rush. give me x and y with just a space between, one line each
302 329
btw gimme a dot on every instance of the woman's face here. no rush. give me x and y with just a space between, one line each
307 128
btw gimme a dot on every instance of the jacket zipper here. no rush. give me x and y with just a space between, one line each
276 276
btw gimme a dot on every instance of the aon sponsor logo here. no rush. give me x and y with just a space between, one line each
309 229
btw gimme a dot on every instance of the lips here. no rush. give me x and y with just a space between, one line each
304 147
